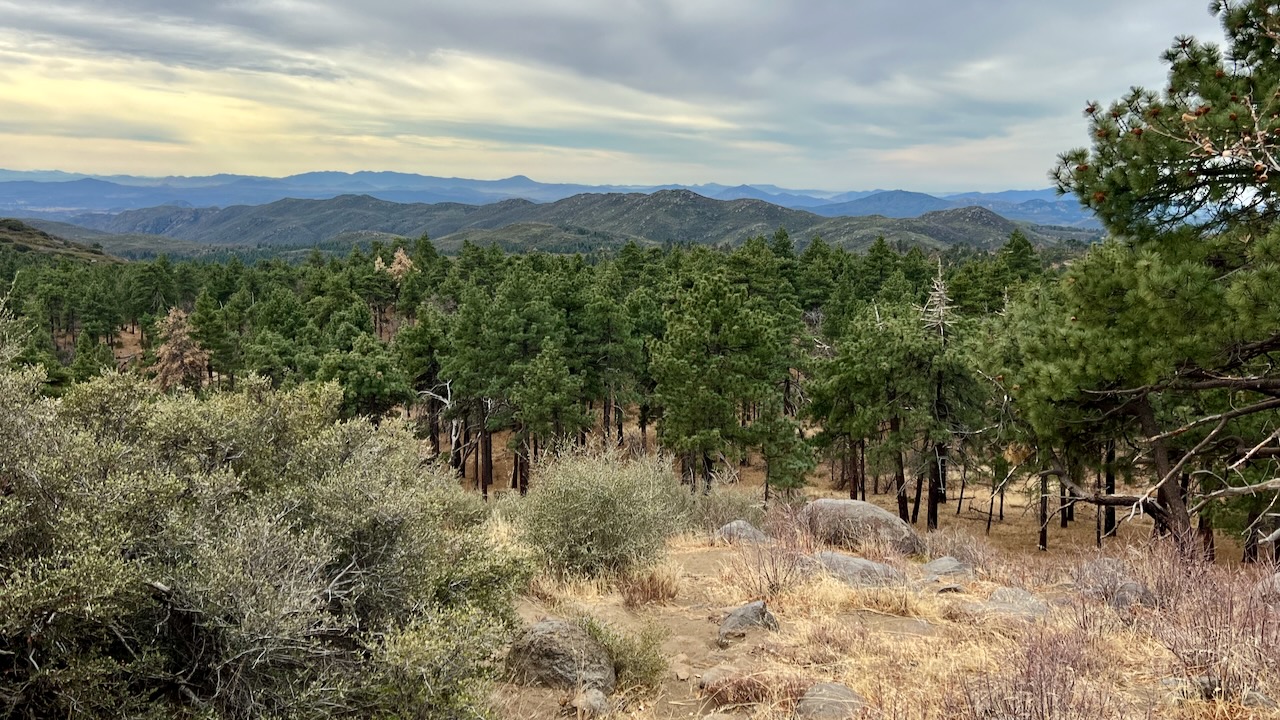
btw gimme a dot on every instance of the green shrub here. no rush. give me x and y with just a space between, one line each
596 515
638 660
242 555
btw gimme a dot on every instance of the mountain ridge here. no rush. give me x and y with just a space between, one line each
55 195
667 216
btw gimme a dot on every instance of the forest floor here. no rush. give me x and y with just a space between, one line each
909 650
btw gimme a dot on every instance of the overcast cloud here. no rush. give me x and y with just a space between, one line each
929 95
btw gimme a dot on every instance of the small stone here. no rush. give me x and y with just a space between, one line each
829 701
751 615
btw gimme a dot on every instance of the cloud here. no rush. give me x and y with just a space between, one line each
820 93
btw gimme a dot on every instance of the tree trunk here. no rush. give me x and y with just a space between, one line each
900 474
1177 520
486 467
1044 512
915 509
1251 542
643 421
433 424
862 467
606 418
936 470
964 480
1206 537
706 473
620 417
1109 520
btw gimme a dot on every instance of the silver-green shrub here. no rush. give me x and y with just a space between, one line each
602 514
241 555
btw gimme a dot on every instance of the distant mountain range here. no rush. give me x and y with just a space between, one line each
581 222
57 195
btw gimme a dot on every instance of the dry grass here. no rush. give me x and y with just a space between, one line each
657 584
779 690
917 655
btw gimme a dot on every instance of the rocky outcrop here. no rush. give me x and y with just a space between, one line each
852 523
561 654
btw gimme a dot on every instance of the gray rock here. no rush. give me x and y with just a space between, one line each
740 531
719 673
1016 602
858 572
1131 594
852 523
1253 698
945 566
591 703
1206 687
1268 590
829 701
561 654
751 615
1108 579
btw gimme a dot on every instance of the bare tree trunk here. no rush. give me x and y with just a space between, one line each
486 467
915 509
1109 521
900 474
620 416
936 470
1044 512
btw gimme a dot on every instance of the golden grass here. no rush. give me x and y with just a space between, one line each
657 584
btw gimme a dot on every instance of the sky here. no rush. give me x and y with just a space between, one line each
928 95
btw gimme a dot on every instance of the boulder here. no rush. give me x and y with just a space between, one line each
858 572
852 523
945 566
561 654
1016 602
829 701
751 615
740 531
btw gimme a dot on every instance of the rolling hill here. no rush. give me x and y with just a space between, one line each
60 196
17 236
584 221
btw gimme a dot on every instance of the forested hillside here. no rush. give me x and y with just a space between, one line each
598 221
